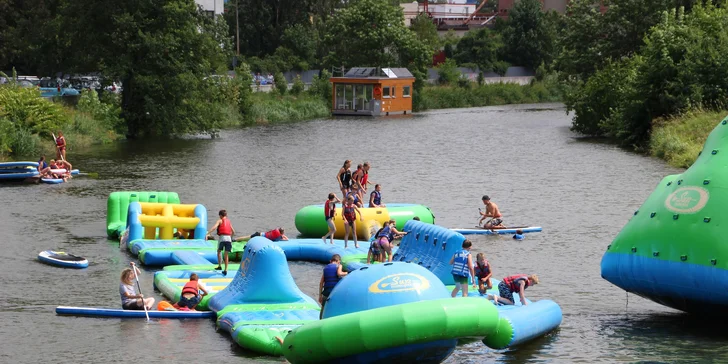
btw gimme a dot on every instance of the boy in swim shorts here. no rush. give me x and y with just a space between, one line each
190 297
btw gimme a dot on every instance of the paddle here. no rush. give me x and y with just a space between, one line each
56 143
133 269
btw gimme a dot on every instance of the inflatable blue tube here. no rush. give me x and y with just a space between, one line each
21 175
531 321
112 312
481 231
316 251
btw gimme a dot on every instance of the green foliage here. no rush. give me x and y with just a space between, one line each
442 97
243 81
109 112
528 40
480 47
160 54
321 86
448 73
426 31
280 83
372 33
273 108
28 111
680 67
297 86
679 140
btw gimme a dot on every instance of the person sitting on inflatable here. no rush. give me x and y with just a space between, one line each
191 297
273 235
130 300
483 274
375 199
333 273
329 212
355 197
515 283
184 234
462 268
43 169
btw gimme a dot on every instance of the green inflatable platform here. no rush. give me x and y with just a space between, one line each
117 207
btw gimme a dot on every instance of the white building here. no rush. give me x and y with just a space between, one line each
212 7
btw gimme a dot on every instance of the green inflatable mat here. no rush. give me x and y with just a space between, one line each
117 207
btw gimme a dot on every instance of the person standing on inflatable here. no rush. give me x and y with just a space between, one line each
364 180
333 273
60 146
225 234
375 199
462 268
492 211
344 178
350 210
515 283
329 212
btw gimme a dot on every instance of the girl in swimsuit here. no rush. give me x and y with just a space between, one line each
344 178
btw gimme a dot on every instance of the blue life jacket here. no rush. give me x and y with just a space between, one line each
460 265
385 231
377 197
518 236
331 277
44 165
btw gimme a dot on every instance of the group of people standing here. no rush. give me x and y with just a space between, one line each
480 273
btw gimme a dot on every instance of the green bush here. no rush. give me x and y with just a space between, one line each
448 74
298 86
280 83
321 86
272 108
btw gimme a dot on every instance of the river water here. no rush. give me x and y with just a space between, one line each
538 172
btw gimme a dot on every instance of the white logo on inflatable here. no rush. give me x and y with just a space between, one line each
687 200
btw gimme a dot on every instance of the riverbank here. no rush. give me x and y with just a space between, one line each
679 140
27 122
275 108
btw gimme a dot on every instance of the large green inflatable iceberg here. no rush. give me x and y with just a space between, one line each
674 249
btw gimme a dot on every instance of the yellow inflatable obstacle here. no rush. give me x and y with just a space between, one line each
160 220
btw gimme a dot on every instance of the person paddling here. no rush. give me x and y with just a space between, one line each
225 232
60 146
130 300
492 211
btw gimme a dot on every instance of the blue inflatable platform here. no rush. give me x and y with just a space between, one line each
162 252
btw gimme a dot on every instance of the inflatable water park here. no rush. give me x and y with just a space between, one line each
672 249
263 310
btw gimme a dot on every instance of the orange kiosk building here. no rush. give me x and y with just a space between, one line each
373 91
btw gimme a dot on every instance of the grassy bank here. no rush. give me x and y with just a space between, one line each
27 122
274 108
679 140
444 97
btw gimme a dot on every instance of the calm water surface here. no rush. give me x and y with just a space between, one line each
524 157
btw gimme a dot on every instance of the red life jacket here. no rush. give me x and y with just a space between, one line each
60 142
225 227
349 212
512 282
329 209
273 235
190 287
365 179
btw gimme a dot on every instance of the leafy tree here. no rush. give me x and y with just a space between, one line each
480 47
159 49
320 86
372 33
28 39
527 38
297 86
426 31
448 73
280 83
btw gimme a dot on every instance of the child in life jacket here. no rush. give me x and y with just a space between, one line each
329 213
225 232
333 272
191 297
462 268
483 274
350 210
512 284
276 234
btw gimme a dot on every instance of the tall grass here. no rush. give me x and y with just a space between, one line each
444 97
679 140
274 108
